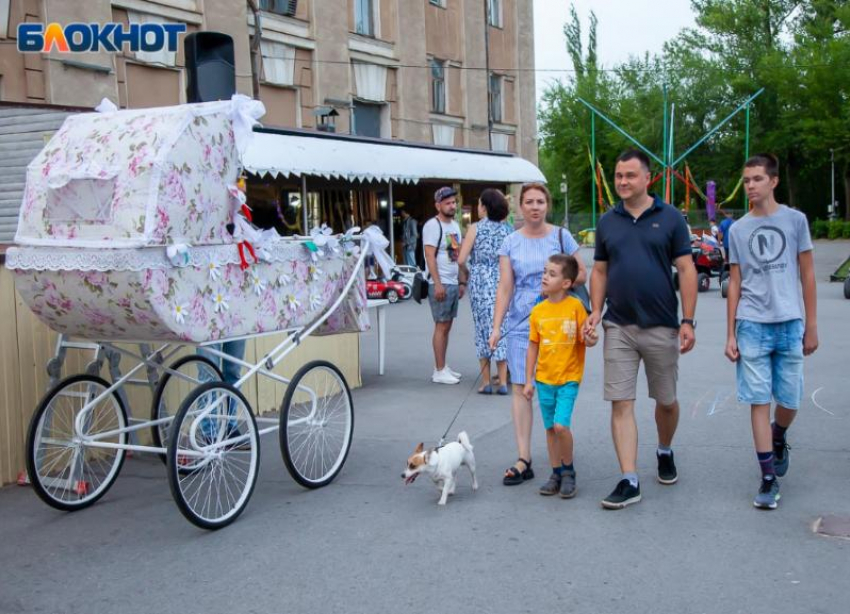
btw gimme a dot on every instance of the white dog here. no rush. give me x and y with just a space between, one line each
442 464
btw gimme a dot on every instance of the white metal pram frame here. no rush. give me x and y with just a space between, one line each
80 432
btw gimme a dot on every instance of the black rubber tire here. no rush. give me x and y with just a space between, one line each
286 407
156 435
176 472
703 282
408 290
724 288
392 296
847 287
33 432
724 275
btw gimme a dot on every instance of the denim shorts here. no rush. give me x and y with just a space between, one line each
770 365
445 310
557 403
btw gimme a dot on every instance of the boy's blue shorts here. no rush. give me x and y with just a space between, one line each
771 362
556 403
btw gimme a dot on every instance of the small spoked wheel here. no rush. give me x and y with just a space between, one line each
182 376
316 424
213 455
392 296
67 468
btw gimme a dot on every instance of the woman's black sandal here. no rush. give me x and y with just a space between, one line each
515 476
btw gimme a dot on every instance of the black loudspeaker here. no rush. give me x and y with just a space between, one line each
210 67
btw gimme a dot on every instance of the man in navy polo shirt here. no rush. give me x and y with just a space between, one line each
637 245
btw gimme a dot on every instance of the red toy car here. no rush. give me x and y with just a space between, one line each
390 290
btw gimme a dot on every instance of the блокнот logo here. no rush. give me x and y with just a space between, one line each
78 37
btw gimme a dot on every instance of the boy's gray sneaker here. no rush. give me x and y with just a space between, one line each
768 495
781 458
568 484
552 486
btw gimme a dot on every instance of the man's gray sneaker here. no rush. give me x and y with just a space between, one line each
568 484
781 458
768 495
552 486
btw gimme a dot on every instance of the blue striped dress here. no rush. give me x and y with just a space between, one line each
528 258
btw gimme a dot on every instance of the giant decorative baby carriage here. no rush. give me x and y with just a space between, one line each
133 229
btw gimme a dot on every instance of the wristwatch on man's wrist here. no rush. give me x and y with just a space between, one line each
690 321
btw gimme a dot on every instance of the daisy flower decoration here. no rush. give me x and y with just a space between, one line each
314 272
220 301
179 312
214 270
258 283
284 279
293 303
315 301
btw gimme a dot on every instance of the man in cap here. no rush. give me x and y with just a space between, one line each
441 239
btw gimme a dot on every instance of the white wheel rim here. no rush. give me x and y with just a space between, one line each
216 472
319 427
69 471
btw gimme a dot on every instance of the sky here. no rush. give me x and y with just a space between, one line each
626 27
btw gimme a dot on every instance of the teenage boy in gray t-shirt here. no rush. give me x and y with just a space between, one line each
769 327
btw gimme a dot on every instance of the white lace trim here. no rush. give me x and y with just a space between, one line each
65 259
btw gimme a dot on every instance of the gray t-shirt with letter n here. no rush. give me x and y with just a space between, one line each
766 248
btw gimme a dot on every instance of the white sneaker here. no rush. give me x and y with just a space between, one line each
444 377
454 373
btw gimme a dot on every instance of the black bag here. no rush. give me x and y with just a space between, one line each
579 292
420 282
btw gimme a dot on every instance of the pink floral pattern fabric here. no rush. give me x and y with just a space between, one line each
169 170
198 303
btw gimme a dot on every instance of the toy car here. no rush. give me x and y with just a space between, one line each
390 290
404 274
708 260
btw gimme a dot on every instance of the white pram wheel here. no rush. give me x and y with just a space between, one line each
66 472
213 455
316 424
173 388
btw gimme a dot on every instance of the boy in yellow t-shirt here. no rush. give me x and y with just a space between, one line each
556 348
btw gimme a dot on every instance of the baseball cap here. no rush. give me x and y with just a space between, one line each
444 193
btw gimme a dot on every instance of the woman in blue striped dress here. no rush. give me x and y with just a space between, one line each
521 261
480 253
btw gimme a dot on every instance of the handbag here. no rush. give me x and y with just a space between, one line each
578 292
420 282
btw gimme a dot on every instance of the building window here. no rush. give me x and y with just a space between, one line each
364 17
494 10
440 3
367 119
438 86
278 63
495 98
281 7
163 57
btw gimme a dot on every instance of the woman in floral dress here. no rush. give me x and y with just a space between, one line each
480 254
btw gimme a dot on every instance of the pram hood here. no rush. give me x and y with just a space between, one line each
138 178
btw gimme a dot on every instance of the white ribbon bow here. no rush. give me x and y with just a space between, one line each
323 236
178 254
244 113
376 245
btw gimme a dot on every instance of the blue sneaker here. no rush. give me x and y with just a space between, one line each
768 495
781 458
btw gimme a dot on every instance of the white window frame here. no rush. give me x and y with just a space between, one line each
443 65
497 118
495 13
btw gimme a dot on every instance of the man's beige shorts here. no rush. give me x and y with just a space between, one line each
626 346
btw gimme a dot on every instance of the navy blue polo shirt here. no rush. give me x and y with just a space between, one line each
640 254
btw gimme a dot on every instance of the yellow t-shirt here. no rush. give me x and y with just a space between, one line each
556 328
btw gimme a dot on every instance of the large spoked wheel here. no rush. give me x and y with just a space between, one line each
65 470
316 424
183 376
213 455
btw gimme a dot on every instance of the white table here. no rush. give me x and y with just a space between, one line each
380 305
